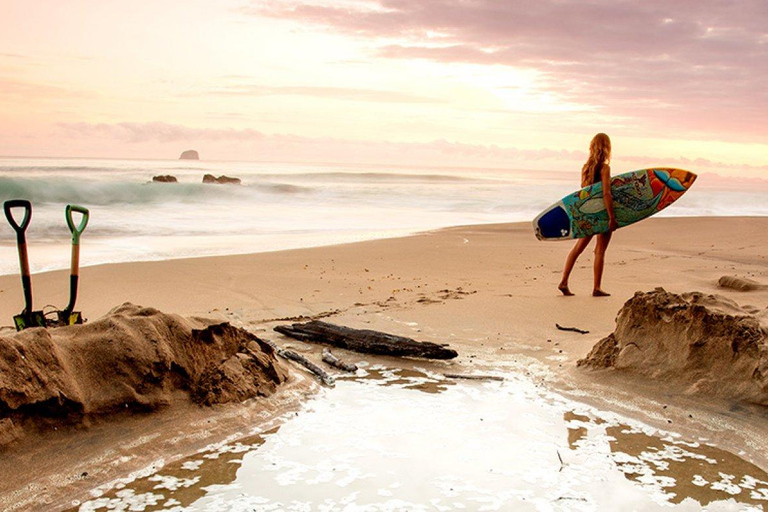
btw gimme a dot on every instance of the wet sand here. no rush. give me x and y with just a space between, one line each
488 291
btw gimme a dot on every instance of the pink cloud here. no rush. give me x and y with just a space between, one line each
39 91
248 144
698 66
156 132
339 93
288 145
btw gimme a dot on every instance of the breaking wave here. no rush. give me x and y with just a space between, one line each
68 190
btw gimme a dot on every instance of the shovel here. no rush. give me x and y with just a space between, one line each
27 318
69 316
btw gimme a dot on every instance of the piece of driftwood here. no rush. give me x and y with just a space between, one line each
364 340
303 361
472 377
572 329
338 363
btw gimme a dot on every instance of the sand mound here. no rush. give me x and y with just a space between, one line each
132 359
707 343
741 284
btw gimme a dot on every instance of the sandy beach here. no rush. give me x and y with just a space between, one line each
489 291
322 256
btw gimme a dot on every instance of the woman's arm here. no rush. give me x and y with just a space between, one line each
605 177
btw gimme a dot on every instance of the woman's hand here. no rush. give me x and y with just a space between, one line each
613 225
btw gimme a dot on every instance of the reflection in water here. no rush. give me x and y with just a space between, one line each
683 469
575 434
406 378
182 482
702 472
371 443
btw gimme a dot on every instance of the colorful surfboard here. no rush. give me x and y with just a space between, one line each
636 195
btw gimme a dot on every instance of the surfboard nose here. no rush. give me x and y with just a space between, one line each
678 180
685 178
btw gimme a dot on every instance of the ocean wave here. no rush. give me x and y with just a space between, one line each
46 230
373 176
284 188
91 169
107 171
46 191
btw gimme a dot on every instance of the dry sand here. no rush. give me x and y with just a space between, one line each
489 291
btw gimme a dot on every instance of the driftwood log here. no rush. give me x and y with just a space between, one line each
338 363
364 340
572 329
303 361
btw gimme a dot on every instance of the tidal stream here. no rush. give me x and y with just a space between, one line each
409 439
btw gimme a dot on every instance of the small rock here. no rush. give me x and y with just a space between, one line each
221 180
167 178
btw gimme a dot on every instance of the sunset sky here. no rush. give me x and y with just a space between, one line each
427 82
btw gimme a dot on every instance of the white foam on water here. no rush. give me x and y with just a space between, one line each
409 440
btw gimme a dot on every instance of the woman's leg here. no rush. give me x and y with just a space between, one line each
570 261
602 245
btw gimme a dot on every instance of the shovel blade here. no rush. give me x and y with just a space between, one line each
70 318
27 320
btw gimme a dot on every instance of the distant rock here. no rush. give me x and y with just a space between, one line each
189 154
165 179
222 180
227 180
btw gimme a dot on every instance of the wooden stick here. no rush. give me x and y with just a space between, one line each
338 363
303 361
472 377
572 329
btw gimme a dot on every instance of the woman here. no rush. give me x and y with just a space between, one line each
595 170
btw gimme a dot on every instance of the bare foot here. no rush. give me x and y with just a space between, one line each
600 293
565 290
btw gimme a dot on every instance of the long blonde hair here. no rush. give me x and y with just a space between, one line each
599 154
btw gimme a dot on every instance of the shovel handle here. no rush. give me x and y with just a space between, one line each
75 268
76 230
18 228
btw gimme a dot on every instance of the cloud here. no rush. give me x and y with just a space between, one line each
160 139
700 66
27 90
337 93
156 132
159 132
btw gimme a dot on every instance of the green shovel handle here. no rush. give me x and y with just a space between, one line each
18 228
76 230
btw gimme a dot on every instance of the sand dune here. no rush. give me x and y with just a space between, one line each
706 343
132 360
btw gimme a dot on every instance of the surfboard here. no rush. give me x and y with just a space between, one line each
636 195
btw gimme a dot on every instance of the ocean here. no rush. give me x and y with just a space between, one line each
284 205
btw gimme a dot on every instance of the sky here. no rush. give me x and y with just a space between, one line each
483 83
